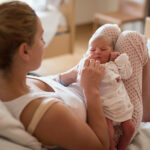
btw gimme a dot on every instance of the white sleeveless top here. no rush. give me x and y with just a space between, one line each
63 94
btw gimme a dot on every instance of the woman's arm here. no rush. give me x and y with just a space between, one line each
91 77
61 126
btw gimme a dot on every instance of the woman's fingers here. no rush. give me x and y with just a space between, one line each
102 69
87 62
92 63
97 64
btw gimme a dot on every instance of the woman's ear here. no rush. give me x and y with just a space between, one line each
24 51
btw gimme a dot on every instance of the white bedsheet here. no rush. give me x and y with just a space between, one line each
142 139
13 136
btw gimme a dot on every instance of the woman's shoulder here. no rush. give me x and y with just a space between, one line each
39 105
59 125
45 117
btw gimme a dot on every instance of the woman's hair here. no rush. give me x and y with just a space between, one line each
18 24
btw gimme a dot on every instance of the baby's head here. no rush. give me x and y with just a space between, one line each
108 33
100 48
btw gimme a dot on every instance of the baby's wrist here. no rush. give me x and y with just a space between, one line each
67 78
58 79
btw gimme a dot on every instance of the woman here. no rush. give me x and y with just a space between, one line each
61 123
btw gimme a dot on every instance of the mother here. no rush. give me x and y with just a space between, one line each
60 124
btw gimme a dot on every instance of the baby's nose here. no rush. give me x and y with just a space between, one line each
98 50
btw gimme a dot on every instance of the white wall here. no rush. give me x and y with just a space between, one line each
2 1
85 9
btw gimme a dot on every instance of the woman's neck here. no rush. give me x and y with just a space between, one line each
13 86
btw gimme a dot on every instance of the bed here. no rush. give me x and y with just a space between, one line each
13 135
63 39
141 140
58 21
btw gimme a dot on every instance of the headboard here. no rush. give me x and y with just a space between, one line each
147 27
68 9
63 42
146 78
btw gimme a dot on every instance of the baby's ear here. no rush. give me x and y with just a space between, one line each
114 55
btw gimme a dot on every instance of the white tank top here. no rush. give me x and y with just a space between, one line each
63 94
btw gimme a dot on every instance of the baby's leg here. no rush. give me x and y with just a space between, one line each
111 134
128 131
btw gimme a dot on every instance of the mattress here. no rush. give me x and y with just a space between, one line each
53 21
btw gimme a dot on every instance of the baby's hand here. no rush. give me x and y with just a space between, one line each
118 79
114 55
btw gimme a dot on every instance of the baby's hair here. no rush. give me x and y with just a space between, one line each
112 44
110 30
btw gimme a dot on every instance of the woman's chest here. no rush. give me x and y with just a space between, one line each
65 94
38 85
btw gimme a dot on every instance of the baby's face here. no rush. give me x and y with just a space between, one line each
100 49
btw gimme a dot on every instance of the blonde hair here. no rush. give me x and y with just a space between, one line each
18 24
110 30
109 39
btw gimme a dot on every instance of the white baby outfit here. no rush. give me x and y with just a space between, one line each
134 44
115 100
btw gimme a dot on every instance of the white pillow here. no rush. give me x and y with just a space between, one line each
14 131
37 5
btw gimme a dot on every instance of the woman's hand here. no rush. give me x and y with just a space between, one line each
91 75
95 134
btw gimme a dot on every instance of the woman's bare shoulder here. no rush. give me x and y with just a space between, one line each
29 110
60 126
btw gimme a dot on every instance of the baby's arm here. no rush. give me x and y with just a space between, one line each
70 76
124 66
66 78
